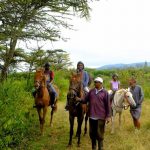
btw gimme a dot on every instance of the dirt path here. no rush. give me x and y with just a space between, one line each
57 136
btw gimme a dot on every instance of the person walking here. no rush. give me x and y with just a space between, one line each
138 96
99 112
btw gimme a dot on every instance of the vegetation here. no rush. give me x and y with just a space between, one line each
34 20
19 126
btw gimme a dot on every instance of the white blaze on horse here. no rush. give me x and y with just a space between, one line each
122 100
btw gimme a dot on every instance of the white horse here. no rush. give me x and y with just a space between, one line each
119 101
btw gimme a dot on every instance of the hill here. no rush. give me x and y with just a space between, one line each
124 66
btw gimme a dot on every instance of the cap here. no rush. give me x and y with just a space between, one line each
98 79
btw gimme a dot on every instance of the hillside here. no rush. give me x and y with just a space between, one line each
124 66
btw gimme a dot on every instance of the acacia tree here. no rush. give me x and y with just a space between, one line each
36 20
58 58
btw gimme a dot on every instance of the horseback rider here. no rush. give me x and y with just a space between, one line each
84 78
49 78
114 85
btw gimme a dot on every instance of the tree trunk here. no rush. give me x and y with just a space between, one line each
8 59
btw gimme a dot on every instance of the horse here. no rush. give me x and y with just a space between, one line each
119 101
42 97
76 109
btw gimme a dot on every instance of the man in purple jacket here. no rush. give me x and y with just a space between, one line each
99 112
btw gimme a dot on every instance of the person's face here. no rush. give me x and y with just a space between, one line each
115 77
46 67
132 82
98 85
80 67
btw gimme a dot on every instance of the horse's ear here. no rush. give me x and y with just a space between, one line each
128 89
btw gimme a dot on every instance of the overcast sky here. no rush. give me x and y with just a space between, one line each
118 32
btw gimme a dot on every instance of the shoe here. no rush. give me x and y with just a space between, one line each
34 106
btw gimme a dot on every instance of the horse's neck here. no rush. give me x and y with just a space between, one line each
119 98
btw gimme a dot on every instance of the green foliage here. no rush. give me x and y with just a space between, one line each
16 113
15 105
62 81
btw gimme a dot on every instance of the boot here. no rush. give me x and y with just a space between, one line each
53 100
34 93
93 144
100 145
67 106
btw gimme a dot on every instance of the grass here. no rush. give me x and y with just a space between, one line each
56 137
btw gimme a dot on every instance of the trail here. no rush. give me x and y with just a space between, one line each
57 136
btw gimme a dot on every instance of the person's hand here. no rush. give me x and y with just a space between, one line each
108 120
78 99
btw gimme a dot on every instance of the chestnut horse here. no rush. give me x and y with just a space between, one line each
42 97
74 96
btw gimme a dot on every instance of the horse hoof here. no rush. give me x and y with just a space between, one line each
69 145
112 132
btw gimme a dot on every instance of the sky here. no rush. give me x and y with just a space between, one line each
118 32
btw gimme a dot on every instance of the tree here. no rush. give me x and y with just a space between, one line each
36 20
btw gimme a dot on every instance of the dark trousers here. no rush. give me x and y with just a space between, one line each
97 129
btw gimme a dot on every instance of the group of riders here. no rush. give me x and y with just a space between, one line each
100 103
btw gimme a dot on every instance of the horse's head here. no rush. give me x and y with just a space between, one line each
75 86
129 98
39 79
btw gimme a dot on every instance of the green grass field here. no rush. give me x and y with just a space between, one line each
57 136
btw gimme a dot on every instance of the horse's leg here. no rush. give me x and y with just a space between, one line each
51 119
113 121
80 120
120 113
40 119
71 120
43 119
85 128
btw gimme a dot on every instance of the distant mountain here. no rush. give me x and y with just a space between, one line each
124 66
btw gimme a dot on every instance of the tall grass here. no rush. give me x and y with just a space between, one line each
15 105
17 115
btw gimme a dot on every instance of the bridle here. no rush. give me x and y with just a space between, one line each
125 107
38 82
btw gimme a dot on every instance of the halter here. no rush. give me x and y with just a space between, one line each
38 81
125 107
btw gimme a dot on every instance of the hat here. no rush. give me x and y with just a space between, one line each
98 79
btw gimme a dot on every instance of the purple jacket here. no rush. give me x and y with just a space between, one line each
99 105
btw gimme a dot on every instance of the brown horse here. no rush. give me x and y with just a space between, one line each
74 96
42 97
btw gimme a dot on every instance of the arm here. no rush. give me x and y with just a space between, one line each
86 79
111 86
86 99
51 76
141 94
107 106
